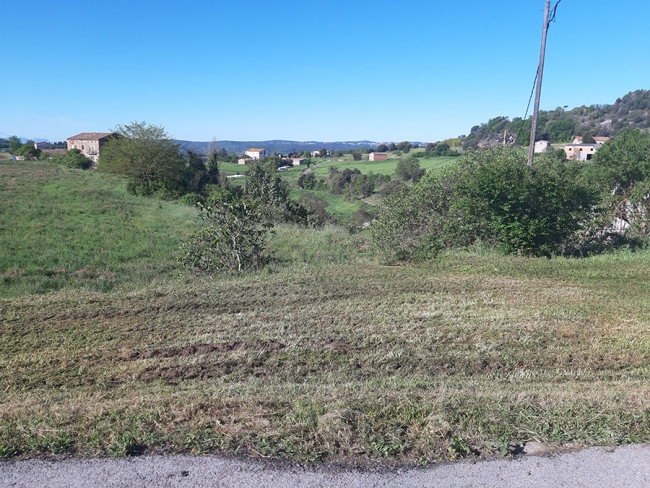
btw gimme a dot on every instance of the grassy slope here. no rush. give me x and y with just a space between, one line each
330 357
64 228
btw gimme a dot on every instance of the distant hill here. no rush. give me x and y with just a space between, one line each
279 146
560 125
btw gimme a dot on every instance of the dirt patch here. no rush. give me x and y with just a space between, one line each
202 348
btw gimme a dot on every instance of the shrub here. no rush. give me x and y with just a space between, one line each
491 196
407 167
234 239
307 181
74 159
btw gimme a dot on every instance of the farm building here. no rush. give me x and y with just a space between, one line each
256 152
90 143
377 156
580 152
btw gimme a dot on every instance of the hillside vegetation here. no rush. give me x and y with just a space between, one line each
113 349
560 125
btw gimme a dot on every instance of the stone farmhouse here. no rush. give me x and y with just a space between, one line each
90 143
578 151
256 153
377 156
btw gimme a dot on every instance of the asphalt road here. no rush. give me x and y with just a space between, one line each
627 466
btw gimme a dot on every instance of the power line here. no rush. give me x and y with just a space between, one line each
551 18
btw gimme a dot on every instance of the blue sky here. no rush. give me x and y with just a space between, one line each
313 70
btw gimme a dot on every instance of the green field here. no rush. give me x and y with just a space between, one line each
337 206
62 228
109 348
384 167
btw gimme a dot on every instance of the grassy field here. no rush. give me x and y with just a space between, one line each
324 356
61 228
337 205
384 167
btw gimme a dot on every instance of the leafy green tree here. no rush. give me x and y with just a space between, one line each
407 167
307 181
323 153
404 146
28 151
235 237
146 155
382 148
623 161
588 138
356 155
14 144
73 159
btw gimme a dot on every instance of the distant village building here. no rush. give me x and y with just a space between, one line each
377 156
90 143
542 146
580 152
600 140
297 161
316 154
40 145
256 153
243 160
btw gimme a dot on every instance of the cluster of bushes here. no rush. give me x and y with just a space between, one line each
435 150
73 159
239 222
352 183
494 197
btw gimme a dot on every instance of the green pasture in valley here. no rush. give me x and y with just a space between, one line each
384 167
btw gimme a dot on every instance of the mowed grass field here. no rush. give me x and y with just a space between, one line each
328 356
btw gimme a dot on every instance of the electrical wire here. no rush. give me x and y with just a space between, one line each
551 18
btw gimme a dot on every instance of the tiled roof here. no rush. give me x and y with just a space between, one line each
255 149
90 136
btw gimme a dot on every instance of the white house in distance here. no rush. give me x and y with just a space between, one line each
256 153
377 156
542 146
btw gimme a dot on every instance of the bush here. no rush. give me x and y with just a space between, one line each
491 196
234 239
73 159
307 181
407 167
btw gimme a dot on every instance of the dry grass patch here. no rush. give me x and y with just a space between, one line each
409 364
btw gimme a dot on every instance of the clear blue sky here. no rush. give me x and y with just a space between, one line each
308 70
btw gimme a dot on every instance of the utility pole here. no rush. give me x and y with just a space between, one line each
538 90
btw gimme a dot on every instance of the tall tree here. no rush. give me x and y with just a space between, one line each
14 144
146 154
